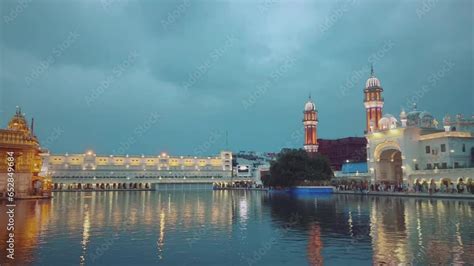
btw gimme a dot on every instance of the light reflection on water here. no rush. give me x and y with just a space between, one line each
239 228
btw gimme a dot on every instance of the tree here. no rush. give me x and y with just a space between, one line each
295 167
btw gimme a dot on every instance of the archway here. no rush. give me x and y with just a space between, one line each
388 168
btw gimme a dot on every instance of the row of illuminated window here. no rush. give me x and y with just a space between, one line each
117 161
125 177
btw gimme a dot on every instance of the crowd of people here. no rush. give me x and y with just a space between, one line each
418 187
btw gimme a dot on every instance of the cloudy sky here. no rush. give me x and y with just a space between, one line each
127 76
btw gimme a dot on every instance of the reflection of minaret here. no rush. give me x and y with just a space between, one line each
315 245
373 102
310 122
388 218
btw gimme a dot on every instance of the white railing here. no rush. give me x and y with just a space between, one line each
447 171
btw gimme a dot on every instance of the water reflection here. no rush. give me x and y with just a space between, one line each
211 227
85 234
315 246
390 230
161 239
30 229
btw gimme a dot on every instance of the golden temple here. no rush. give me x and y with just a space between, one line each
21 152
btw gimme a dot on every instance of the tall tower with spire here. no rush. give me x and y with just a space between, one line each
373 102
310 122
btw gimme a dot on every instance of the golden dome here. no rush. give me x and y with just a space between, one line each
18 122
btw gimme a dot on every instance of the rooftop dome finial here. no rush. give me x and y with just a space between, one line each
18 121
373 81
310 106
403 114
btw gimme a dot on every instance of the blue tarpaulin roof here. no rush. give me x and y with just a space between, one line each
349 168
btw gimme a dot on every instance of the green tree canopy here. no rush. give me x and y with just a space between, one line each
295 167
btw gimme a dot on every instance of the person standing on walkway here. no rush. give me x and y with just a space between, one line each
432 187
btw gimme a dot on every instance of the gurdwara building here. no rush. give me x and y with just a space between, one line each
415 147
20 161
95 171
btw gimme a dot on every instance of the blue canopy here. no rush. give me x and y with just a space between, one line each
349 168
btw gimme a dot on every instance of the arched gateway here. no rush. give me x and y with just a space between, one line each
388 163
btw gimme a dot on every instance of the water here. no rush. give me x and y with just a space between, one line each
239 228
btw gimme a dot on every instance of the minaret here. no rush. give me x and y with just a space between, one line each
310 122
373 102
403 118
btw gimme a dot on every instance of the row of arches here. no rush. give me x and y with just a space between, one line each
101 186
447 185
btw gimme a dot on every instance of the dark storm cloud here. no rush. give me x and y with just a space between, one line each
97 70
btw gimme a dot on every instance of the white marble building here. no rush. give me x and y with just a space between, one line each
91 169
415 147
